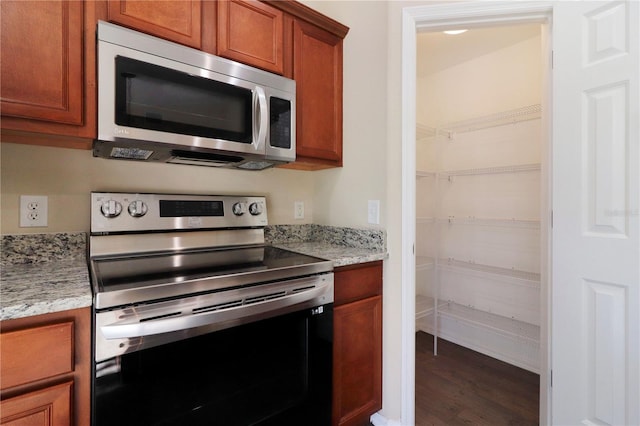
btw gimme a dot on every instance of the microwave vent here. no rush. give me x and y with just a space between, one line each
130 153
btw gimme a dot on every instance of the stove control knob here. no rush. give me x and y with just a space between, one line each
111 208
239 209
137 208
255 209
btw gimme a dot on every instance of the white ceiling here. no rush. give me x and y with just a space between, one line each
438 51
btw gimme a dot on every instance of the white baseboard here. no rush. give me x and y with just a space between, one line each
379 420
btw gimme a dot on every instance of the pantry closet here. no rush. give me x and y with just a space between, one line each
480 163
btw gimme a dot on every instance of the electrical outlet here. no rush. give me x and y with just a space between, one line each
33 210
374 211
298 209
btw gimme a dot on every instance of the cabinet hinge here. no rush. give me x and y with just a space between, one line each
551 219
551 378
552 59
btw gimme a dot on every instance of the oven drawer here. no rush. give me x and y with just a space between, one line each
36 353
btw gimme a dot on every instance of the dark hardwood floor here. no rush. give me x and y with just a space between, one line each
463 387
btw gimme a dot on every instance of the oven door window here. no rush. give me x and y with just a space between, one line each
156 98
271 372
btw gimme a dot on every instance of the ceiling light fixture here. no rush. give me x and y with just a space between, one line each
454 32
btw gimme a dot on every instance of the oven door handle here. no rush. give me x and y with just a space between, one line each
319 295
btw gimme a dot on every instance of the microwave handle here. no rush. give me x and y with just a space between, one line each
260 117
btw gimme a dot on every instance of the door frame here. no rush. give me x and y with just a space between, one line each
468 15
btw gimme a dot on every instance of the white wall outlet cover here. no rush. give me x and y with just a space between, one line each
34 211
298 210
373 208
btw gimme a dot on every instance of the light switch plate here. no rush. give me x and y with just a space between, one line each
298 209
374 212
33 211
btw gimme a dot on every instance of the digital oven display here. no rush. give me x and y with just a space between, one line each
189 208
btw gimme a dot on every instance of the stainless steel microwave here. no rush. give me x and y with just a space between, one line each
160 101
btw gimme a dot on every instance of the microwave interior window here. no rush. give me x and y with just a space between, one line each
156 98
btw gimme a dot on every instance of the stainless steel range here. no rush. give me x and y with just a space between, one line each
198 321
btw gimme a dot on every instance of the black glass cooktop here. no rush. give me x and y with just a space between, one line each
153 276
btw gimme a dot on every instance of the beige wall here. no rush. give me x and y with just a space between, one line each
341 195
67 176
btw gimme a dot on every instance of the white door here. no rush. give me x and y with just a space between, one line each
596 233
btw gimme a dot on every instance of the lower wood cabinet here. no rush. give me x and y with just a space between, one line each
45 373
48 406
357 344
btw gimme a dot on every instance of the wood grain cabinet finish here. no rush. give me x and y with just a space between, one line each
317 70
251 32
48 68
179 21
357 350
45 372
48 62
50 406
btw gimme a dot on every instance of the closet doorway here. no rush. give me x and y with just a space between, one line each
481 150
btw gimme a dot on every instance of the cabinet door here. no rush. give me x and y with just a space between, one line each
36 353
178 21
50 406
357 357
251 32
42 60
317 69
48 81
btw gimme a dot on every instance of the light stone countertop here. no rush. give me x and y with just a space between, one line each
28 289
44 273
340 255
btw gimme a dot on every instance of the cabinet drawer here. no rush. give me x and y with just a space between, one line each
357 282
36 353
48 406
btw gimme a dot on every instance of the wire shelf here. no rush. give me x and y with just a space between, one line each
491 221
519 168
458 265
425 219
424 263
497 323
502 118
424 173
512 116
424 305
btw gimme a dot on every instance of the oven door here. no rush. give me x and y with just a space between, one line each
275 371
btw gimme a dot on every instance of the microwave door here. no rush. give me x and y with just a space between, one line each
172 103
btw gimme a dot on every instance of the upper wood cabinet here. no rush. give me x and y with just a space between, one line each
48 69
179 21
48 62
313 58
317 70
251 32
